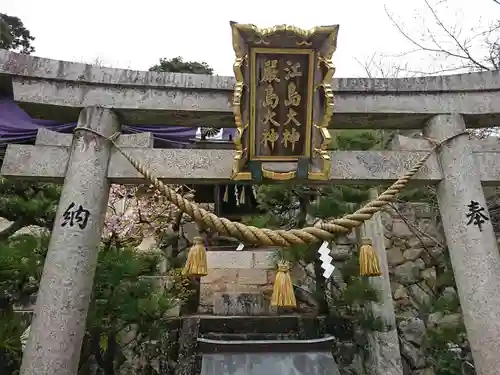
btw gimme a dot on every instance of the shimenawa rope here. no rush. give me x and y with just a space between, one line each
321 231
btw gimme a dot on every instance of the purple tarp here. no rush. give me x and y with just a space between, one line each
16 126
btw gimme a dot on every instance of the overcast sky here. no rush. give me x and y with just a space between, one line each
135 34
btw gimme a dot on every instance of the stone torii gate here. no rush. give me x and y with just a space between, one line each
102 99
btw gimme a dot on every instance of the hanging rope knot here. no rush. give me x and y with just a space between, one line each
283 266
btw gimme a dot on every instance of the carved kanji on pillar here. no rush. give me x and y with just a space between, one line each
283 101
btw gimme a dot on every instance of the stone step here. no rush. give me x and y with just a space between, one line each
256 336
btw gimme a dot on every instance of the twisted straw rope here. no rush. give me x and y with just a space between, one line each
276 237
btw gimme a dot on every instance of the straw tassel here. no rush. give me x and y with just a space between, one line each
226 194
369 264
196 263
283 295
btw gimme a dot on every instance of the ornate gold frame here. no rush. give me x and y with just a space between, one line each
324 58
241 56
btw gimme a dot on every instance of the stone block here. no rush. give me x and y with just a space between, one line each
271 276
252 276
341 252
220 276
47 137
263 259
412 330
400 292
191 231
420 295
401 229
395 257
206 299
413 253
240 304
407 273
423 210
230 259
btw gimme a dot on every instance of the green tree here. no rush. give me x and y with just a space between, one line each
27 203
14 36
21 265
178 65
126 294
126 297
23 203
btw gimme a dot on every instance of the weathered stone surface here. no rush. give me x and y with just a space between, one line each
384 346
220 275
47 137
449 292
240 304
415 357
63 298
429 275
420 294
187 346
434 318
341 252
412 330
444 320
264 259
407 273
400 292
474 254
252 276
188 166
426 371
413 253
230 259
150 97
419 263
395 256
400 229
385 357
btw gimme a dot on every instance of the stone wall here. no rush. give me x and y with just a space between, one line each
238 282
417 256
423 290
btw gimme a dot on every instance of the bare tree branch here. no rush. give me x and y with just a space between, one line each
459 45
452 44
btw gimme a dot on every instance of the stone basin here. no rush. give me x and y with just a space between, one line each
269 357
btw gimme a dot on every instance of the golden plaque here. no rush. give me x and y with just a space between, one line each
283 101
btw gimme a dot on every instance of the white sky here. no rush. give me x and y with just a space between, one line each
135 34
